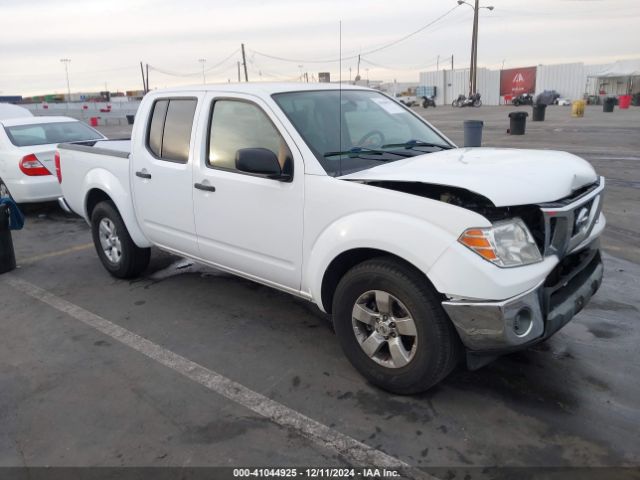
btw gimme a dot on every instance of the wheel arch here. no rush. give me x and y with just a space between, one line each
363 235
346 260
104 186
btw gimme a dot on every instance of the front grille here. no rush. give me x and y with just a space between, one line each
568 222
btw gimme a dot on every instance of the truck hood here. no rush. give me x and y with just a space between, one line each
507 177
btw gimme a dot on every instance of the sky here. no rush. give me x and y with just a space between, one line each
107 39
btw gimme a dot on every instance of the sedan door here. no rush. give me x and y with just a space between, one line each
248 223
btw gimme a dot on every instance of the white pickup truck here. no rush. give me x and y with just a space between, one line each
425 254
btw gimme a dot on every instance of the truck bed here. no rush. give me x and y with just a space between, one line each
89 164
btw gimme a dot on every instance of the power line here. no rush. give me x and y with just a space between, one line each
207 70
419 67
368 52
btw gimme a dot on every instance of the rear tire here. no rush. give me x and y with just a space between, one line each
119 255
4 190
422 364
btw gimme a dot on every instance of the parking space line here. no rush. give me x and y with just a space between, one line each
77 248
349 448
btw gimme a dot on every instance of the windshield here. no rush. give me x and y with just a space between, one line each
46 133
354 130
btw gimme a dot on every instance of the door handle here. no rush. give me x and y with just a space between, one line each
143 174
206 188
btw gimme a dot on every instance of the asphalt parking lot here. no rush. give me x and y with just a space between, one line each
75 390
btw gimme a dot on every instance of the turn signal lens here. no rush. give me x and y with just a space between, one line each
480 242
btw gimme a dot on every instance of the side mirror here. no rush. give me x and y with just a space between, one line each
260 161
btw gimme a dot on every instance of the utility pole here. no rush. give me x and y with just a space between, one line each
452 62
474 45
474 51
144 83
203 61
147 78
238 72
244 62
66 62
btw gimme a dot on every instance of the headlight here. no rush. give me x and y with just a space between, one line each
507 243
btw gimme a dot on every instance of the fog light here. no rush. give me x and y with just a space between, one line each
522 322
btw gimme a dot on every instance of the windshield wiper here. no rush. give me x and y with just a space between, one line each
355 152
417 143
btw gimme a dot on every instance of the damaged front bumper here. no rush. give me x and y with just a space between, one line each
490 329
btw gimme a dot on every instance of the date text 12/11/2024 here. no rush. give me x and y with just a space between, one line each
316 472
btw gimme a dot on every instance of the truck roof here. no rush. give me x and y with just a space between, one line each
261 88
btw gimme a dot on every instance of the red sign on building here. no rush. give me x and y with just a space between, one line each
518 80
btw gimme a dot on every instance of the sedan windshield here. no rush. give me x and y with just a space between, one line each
352 130
50 133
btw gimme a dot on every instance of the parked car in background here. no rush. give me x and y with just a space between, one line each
426 255
27 147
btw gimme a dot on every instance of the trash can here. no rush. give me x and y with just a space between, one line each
7 254
538 112
577 108
608 104
624 101
130 119
473 133
517 122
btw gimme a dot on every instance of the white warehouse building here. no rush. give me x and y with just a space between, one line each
571 80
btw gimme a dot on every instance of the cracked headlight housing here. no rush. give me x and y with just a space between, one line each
507 243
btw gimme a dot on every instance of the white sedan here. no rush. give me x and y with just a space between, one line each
27 149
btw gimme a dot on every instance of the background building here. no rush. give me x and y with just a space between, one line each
570 80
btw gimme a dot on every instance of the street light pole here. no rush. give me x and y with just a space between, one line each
474 45
474 51
203 61
66 62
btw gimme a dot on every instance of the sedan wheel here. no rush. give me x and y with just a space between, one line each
4 191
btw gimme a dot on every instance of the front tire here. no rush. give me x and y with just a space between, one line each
392 328
119 255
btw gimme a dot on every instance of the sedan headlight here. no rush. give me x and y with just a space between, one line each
507 243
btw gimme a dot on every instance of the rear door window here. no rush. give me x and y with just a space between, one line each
170 129
156 126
